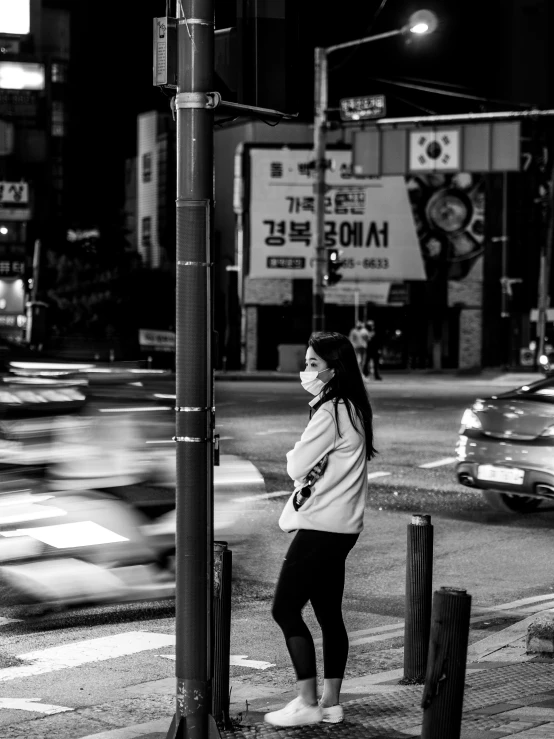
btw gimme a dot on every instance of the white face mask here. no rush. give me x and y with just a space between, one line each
311 382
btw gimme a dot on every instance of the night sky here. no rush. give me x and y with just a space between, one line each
112 70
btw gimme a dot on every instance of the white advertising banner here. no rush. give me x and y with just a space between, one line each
368 219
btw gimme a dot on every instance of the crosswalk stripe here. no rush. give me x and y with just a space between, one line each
84 652
373 475
263 496
437 463
32 704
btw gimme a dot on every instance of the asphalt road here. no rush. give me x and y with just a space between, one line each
498 558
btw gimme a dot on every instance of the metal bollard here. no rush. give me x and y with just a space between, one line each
221 638
419 593
443 694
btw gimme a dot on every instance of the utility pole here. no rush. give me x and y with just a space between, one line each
320 134
194 412
547 244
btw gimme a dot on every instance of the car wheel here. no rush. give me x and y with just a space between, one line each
511 503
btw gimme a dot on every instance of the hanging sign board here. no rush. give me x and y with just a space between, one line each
363 108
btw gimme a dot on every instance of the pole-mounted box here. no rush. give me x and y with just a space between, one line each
164 52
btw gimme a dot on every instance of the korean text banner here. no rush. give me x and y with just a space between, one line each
368 219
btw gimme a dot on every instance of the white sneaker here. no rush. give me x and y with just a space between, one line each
295 713
332 714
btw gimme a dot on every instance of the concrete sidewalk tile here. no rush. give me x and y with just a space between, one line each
412 731
548 703
495 708
532 711
484 734
517 727
149 729
544 731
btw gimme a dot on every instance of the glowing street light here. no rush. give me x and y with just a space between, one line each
420 23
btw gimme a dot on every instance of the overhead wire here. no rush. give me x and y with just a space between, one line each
446 93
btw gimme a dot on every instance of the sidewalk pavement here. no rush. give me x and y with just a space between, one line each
507 693
392 377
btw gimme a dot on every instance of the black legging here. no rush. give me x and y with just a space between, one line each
313 571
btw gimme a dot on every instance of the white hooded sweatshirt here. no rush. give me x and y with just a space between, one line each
338 498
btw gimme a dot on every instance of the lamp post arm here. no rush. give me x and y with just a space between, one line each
368 39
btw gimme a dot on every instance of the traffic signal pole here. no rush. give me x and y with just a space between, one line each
194 412
320 134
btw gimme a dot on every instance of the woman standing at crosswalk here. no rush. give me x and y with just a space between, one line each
329 467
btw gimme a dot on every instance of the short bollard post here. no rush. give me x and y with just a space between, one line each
443 694
419 593
223 559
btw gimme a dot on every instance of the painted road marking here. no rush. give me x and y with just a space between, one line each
276 431
4 621
373 475
438 463
32 704
542 607
391 631
80 653
263 496
239 660
521 602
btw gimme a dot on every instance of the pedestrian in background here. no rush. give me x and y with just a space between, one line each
359 336
372 352
326 510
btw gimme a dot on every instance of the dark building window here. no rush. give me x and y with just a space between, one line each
146 167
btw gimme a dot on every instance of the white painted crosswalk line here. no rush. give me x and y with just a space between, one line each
437 463
263 496
4 620
84 652
521 602
32 704
373 475
239 660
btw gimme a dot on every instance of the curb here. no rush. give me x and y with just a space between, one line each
354 690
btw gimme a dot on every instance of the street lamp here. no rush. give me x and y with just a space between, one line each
420 23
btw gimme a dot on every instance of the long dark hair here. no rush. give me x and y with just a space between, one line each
347 383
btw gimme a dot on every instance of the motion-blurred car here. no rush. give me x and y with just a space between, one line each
506 447
88 486
68 548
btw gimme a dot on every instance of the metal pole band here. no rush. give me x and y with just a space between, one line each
208 100
195 439
193 409
421 519
196 21
194 264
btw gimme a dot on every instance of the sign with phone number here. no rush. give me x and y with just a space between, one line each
369 219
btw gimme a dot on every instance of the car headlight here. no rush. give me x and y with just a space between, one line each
470 420
548 432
